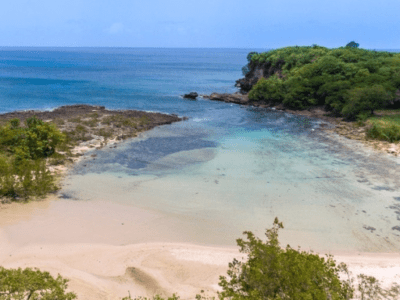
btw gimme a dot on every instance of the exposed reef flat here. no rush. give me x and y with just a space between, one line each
68 112
87 126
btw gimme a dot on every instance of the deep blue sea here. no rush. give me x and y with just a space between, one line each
119 78
228 168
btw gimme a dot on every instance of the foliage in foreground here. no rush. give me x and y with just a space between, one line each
18 284
347 80
273 273
269 273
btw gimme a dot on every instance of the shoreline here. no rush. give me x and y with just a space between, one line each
90 127
102 270
343 128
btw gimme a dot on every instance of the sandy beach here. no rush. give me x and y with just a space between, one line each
107 247
99 267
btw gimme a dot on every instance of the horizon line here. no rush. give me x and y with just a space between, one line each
144 47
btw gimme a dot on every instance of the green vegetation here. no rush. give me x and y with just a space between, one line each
34 141
273 273
348 81
24 179
353 44
23 150
269 273
18 284
386 128
26 149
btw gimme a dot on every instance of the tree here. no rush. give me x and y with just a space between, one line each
273 273
37 139
366 99
353 44
18 284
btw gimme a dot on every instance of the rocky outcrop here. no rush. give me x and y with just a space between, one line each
230 98
258 71
192 95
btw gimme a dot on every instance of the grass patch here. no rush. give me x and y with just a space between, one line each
385 127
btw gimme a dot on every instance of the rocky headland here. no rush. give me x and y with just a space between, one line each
341 126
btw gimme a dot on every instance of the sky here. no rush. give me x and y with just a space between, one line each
200 24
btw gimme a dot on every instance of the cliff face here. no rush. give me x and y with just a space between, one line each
256 72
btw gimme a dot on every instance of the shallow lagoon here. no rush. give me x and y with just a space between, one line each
209 181
206 180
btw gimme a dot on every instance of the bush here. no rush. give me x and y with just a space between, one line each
389 133
270 90
274 273
366 99
36 140
18 284
23 179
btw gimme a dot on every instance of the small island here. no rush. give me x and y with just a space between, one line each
37 146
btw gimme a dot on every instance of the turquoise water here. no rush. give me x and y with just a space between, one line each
228 168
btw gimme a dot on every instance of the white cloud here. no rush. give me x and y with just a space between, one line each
115 28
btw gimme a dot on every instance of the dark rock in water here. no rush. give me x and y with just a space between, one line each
231 98
192 95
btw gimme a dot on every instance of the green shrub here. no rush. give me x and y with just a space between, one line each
366 99
390 133
18 284
24 179
36 140
274 273
270 90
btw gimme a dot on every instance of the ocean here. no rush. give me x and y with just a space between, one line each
227 169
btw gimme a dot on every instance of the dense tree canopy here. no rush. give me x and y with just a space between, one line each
347 80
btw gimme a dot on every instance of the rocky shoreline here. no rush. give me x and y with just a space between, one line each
92 127
339 126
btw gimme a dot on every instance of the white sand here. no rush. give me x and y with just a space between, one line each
105 271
